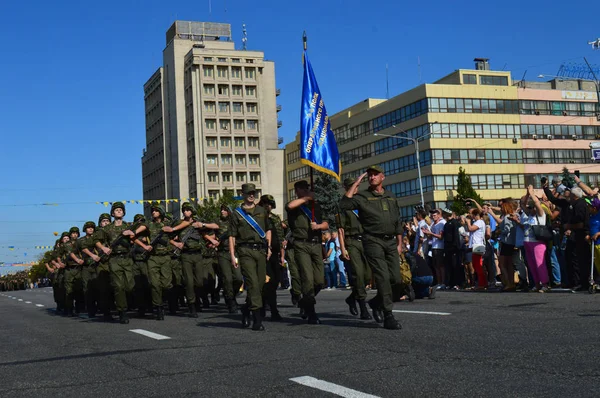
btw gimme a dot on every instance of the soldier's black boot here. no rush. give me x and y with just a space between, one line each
107 317
377 315
352 305
123 318
245 316
160 313
232 306
193 312
295 299
313 319
390 322
257 318
364 312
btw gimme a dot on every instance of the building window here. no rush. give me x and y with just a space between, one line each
236 91
240 177
240 160
222 59
208 59
254 177
223 89
235 60
253 142
298 174
209 89
210 124
240 143
208 71
213 177
211 142
293 156
251 108
209 107
226 159
236 72
211 159
254 160
238 125
249 61
224 124
252 125
250 73
237 107
222 72
292 194
225 142
227 177
224 107
469 78
251 91
214 195
493 80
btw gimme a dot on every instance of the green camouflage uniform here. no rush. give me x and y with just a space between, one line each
160 271
120 263
232 276
89 273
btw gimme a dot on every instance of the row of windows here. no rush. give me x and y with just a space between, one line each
224 72
410 187
225 107
485 80
298 174
473 105
543 131
225 124
238 142
293 157
356 154
400 115
389 143
240 160
560 156
558 108
228 177
470 130
214 194
477 156
482 181
224 90
223 59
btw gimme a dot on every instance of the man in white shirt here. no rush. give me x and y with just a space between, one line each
420 247
436 232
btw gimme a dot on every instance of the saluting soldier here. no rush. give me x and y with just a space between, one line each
119 235
351 235
232 275
89 272
307 227
250 236
379 214
276 260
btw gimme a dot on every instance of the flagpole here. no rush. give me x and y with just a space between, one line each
312 187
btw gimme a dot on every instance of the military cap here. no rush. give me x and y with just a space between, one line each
302 184
267 199
117 205
348 182
226 208
376 168
188 206
103 216
89 224
158 208
138 218
247 188
74 230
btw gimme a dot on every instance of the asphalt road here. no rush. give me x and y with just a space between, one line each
473 344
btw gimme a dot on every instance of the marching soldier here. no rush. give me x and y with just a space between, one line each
232 276
89 274
105 294
378 213
250 236
141 289
276 260
288 246
177 290
120 262
351 235
307 225
72 273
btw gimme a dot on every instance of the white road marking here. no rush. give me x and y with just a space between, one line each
20 300
14 298
39 305
331 387
423 312
152 335
28 302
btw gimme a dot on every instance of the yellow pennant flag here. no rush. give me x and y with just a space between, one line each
105 204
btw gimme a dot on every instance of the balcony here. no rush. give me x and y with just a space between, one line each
278 92
279 140
278 108
279 124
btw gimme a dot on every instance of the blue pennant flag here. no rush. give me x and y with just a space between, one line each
317 143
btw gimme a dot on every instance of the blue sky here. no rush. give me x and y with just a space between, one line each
72 73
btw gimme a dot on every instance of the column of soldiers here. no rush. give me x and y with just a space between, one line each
120 266
16 281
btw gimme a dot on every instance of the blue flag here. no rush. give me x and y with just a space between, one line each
317 143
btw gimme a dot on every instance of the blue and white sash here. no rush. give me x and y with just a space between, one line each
355 213
308 213
251 222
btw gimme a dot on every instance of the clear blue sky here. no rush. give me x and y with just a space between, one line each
72 72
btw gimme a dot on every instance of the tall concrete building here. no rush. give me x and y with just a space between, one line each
211 118
505 134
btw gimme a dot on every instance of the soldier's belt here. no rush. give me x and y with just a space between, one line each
313 240
383 237
355 237
122 254
256 246
194 251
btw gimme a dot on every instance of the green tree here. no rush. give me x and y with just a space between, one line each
464 191
567 178
328 194
210 210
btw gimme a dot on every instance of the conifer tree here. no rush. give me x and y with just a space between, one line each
464 191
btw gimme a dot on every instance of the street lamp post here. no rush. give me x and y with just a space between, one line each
415 141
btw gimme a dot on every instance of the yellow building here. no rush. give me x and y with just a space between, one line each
475 119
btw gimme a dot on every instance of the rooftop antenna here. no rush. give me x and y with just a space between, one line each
244 37
387 82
